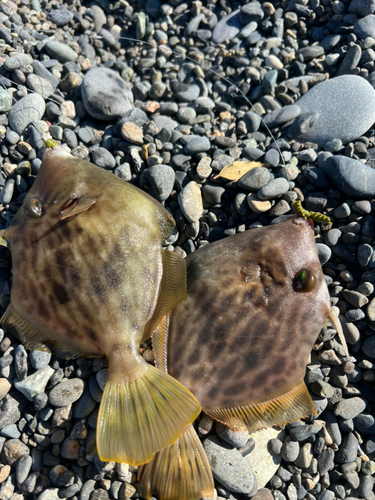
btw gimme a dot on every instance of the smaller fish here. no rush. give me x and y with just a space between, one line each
241 339
90 278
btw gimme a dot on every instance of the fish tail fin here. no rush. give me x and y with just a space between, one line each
180 471
140 416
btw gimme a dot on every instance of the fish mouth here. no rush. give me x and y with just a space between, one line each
297 219
56 151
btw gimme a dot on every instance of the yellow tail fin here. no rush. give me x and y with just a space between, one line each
142 416
179 472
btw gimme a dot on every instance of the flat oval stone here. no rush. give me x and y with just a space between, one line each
61 51
229 466
66 392
25 111
105 94
350 176
342 109
158 181
190 201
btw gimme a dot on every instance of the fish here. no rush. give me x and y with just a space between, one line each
241 339
91 279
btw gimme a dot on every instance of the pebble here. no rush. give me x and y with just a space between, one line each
25 111
237 438
350 408
197 145
103 158
368 346
290 449
228 466
9 411
39 359
66 392
61 51
261 461
348 449
190 202
254 179
35 383
13 449
325 106
351 177
105 94
273 189
158 181
227 28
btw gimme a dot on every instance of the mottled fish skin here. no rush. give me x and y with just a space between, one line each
243 334
90 277
69 274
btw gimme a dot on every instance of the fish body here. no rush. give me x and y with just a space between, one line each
241 339
90 278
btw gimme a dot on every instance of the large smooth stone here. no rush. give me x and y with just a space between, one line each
340 108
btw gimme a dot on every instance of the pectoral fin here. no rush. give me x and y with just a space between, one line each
173 288
77 205
180 471
287 408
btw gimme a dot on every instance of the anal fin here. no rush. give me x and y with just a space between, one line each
284 409
33 339
142 415
160 343
173 288
180 471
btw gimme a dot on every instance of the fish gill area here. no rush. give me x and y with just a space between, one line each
226 112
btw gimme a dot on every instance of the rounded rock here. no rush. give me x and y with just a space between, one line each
66 392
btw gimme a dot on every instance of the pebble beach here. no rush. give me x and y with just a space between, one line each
169 96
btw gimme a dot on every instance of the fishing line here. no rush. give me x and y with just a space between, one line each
96 36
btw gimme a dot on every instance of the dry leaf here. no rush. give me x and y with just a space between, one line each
238 169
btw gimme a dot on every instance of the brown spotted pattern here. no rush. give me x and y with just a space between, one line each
91 279
243 334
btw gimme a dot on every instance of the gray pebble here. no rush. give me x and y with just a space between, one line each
60 51
274 188
342 211
35 383
66 392
368 346
39 359
103 158
290 449
324 253
25 111
255 179
23 468
197 145
158 181
40 85
228 466
60 17
237 438
212 193
350 408
364 255
348 449
105 94
20 359
350 176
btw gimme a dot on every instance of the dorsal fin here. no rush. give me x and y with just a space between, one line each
172 290
289 407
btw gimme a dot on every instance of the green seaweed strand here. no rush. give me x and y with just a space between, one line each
50 143
315 216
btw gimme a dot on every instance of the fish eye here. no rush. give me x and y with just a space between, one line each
304 281
34 207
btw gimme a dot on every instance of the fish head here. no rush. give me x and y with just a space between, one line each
256 303
61 189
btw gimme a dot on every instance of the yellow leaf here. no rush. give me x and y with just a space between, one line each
238 169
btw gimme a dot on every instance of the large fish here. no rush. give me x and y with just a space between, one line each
90 278
241 339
